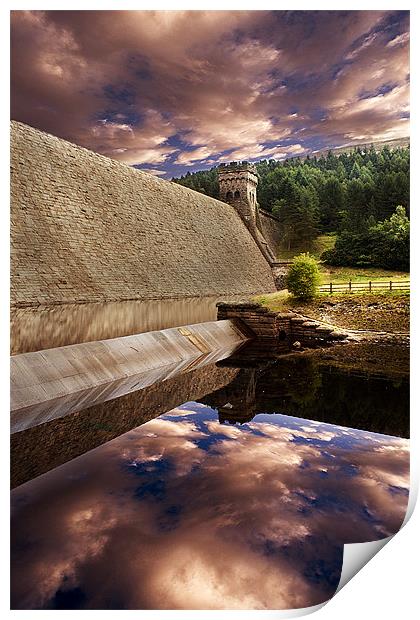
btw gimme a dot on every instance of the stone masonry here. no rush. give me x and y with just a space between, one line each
238 186
85 228
276 332
270 226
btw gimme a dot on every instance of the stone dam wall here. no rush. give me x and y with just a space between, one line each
271 230
85 228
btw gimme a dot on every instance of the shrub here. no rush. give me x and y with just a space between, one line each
303 277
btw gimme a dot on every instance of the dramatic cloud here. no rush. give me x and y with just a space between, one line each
179 90
186 513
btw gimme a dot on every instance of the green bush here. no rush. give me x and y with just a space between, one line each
303 277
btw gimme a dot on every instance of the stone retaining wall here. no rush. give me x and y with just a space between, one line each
271 230
280 270
277 332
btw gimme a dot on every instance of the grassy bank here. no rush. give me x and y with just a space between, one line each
378 312
342 274
318 245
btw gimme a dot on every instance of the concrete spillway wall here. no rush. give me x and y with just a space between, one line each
85 228
53 383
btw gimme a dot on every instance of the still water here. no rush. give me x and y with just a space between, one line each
33 329
239 499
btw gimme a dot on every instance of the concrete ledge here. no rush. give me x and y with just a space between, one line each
55 382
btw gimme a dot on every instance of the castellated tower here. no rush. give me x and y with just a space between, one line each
238 186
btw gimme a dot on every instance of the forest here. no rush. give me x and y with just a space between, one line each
354 194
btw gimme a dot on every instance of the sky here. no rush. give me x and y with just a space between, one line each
177 91
286 495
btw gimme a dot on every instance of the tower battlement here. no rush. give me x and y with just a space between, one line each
238 186
240 166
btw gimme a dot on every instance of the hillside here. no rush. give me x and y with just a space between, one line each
211 173
397 143
352 192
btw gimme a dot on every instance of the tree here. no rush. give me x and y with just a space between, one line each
303 277
356 205
384 244
393 245
330 204
297 213
337 193
309 215
289 217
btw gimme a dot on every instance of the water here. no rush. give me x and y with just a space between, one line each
241 498
33 329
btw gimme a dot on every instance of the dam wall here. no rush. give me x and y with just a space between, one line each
88 229
270 226
53 383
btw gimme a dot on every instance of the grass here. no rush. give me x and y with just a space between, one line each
342 274
387 311
355 274
319 245
377 311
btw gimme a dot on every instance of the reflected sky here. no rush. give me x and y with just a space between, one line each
187 513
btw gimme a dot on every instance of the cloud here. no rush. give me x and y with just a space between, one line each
262 152
365 119
155 172
200 515
188 158
401 39
182 89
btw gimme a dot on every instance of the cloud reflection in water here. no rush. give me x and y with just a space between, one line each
185 513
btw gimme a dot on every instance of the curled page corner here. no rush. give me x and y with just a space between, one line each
295 613
412 497
356 556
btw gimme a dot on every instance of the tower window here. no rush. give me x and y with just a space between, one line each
237 195
229 196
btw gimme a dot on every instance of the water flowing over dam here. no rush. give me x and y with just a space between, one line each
55 382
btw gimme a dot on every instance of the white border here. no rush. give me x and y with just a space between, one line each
386 586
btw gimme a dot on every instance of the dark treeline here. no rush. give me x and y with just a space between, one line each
204 181
351 194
